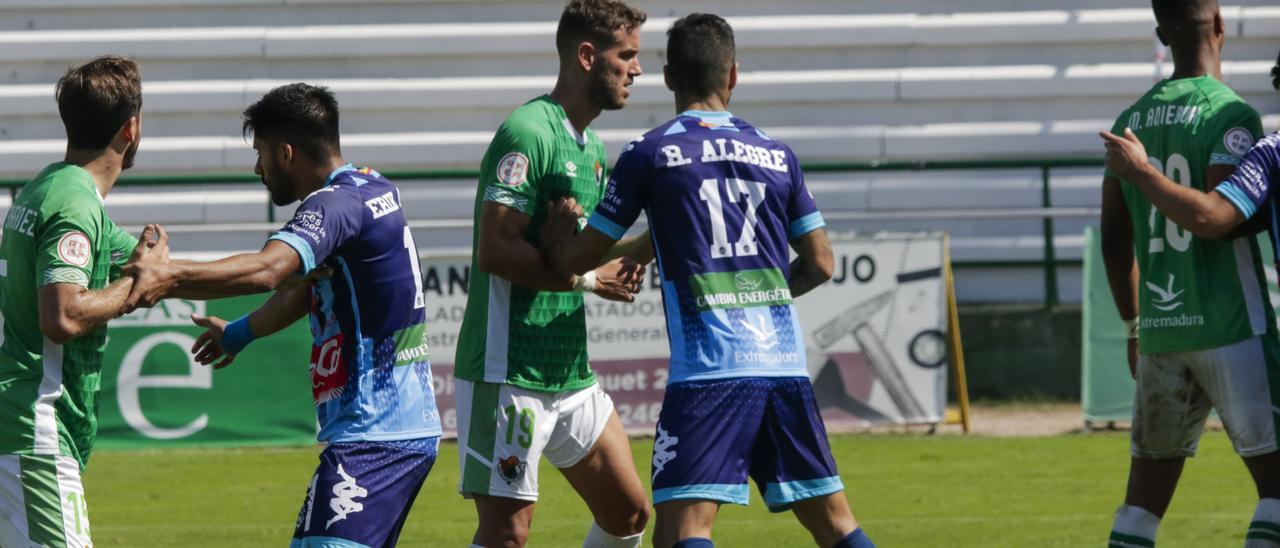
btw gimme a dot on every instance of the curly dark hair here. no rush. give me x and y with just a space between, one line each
96 99
595 21
302 115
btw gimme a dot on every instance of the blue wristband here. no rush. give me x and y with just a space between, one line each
237 335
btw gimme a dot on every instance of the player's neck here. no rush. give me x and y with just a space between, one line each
1196 63
577 104
706 104
318 174
103 166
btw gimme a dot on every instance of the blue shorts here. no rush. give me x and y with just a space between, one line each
362 492
712 435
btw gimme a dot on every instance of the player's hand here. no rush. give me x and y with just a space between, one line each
150 241
1126 156
208 346
619 280
561 222
152 276
1133 358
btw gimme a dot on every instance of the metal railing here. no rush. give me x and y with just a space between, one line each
1046 212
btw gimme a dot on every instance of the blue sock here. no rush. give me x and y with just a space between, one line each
856 539
694 543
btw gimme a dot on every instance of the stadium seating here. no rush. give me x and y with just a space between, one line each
424 82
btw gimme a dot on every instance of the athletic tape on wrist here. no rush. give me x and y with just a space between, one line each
585 283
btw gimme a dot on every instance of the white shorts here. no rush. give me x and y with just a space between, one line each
42 503
1177 390
504 429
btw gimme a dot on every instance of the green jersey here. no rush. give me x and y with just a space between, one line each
512 334
1193 294
57 231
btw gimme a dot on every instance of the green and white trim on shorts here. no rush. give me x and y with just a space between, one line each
505 430
42 503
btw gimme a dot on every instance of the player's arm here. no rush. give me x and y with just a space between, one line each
280 311
814 263
1117 249
504 252
68 309
1118 259
243 274
123 245
322 224
1205 214
637 248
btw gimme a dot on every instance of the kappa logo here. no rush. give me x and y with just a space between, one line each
511 468
763 336
344 494
1167 297
663 450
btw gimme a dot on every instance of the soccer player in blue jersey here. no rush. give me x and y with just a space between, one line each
370 376
724 202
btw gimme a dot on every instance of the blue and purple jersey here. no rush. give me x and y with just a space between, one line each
370 376
723 202
1249 188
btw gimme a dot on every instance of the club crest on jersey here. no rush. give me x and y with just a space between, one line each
328 371
511 468
73 249
599 173
513 169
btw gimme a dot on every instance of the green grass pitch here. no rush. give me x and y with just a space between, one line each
906 491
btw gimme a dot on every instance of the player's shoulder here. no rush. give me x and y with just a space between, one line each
532 120
1219 98
65 189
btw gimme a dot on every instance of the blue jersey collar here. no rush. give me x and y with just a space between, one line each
720 117
337 172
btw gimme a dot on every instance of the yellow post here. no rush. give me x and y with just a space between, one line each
954 348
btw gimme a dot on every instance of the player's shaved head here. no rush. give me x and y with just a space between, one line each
700 55
1181 20
594 21
303 115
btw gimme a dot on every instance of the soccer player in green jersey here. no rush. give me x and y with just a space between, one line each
524 387
60 282
1201 330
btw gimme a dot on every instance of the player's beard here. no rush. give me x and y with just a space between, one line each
280 187
127 161
606 92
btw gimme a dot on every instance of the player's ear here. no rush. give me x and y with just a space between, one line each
1160 35
286 153
666 76
586 56
733 76
1219 28
131 131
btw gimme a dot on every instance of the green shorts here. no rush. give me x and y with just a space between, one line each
42 502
